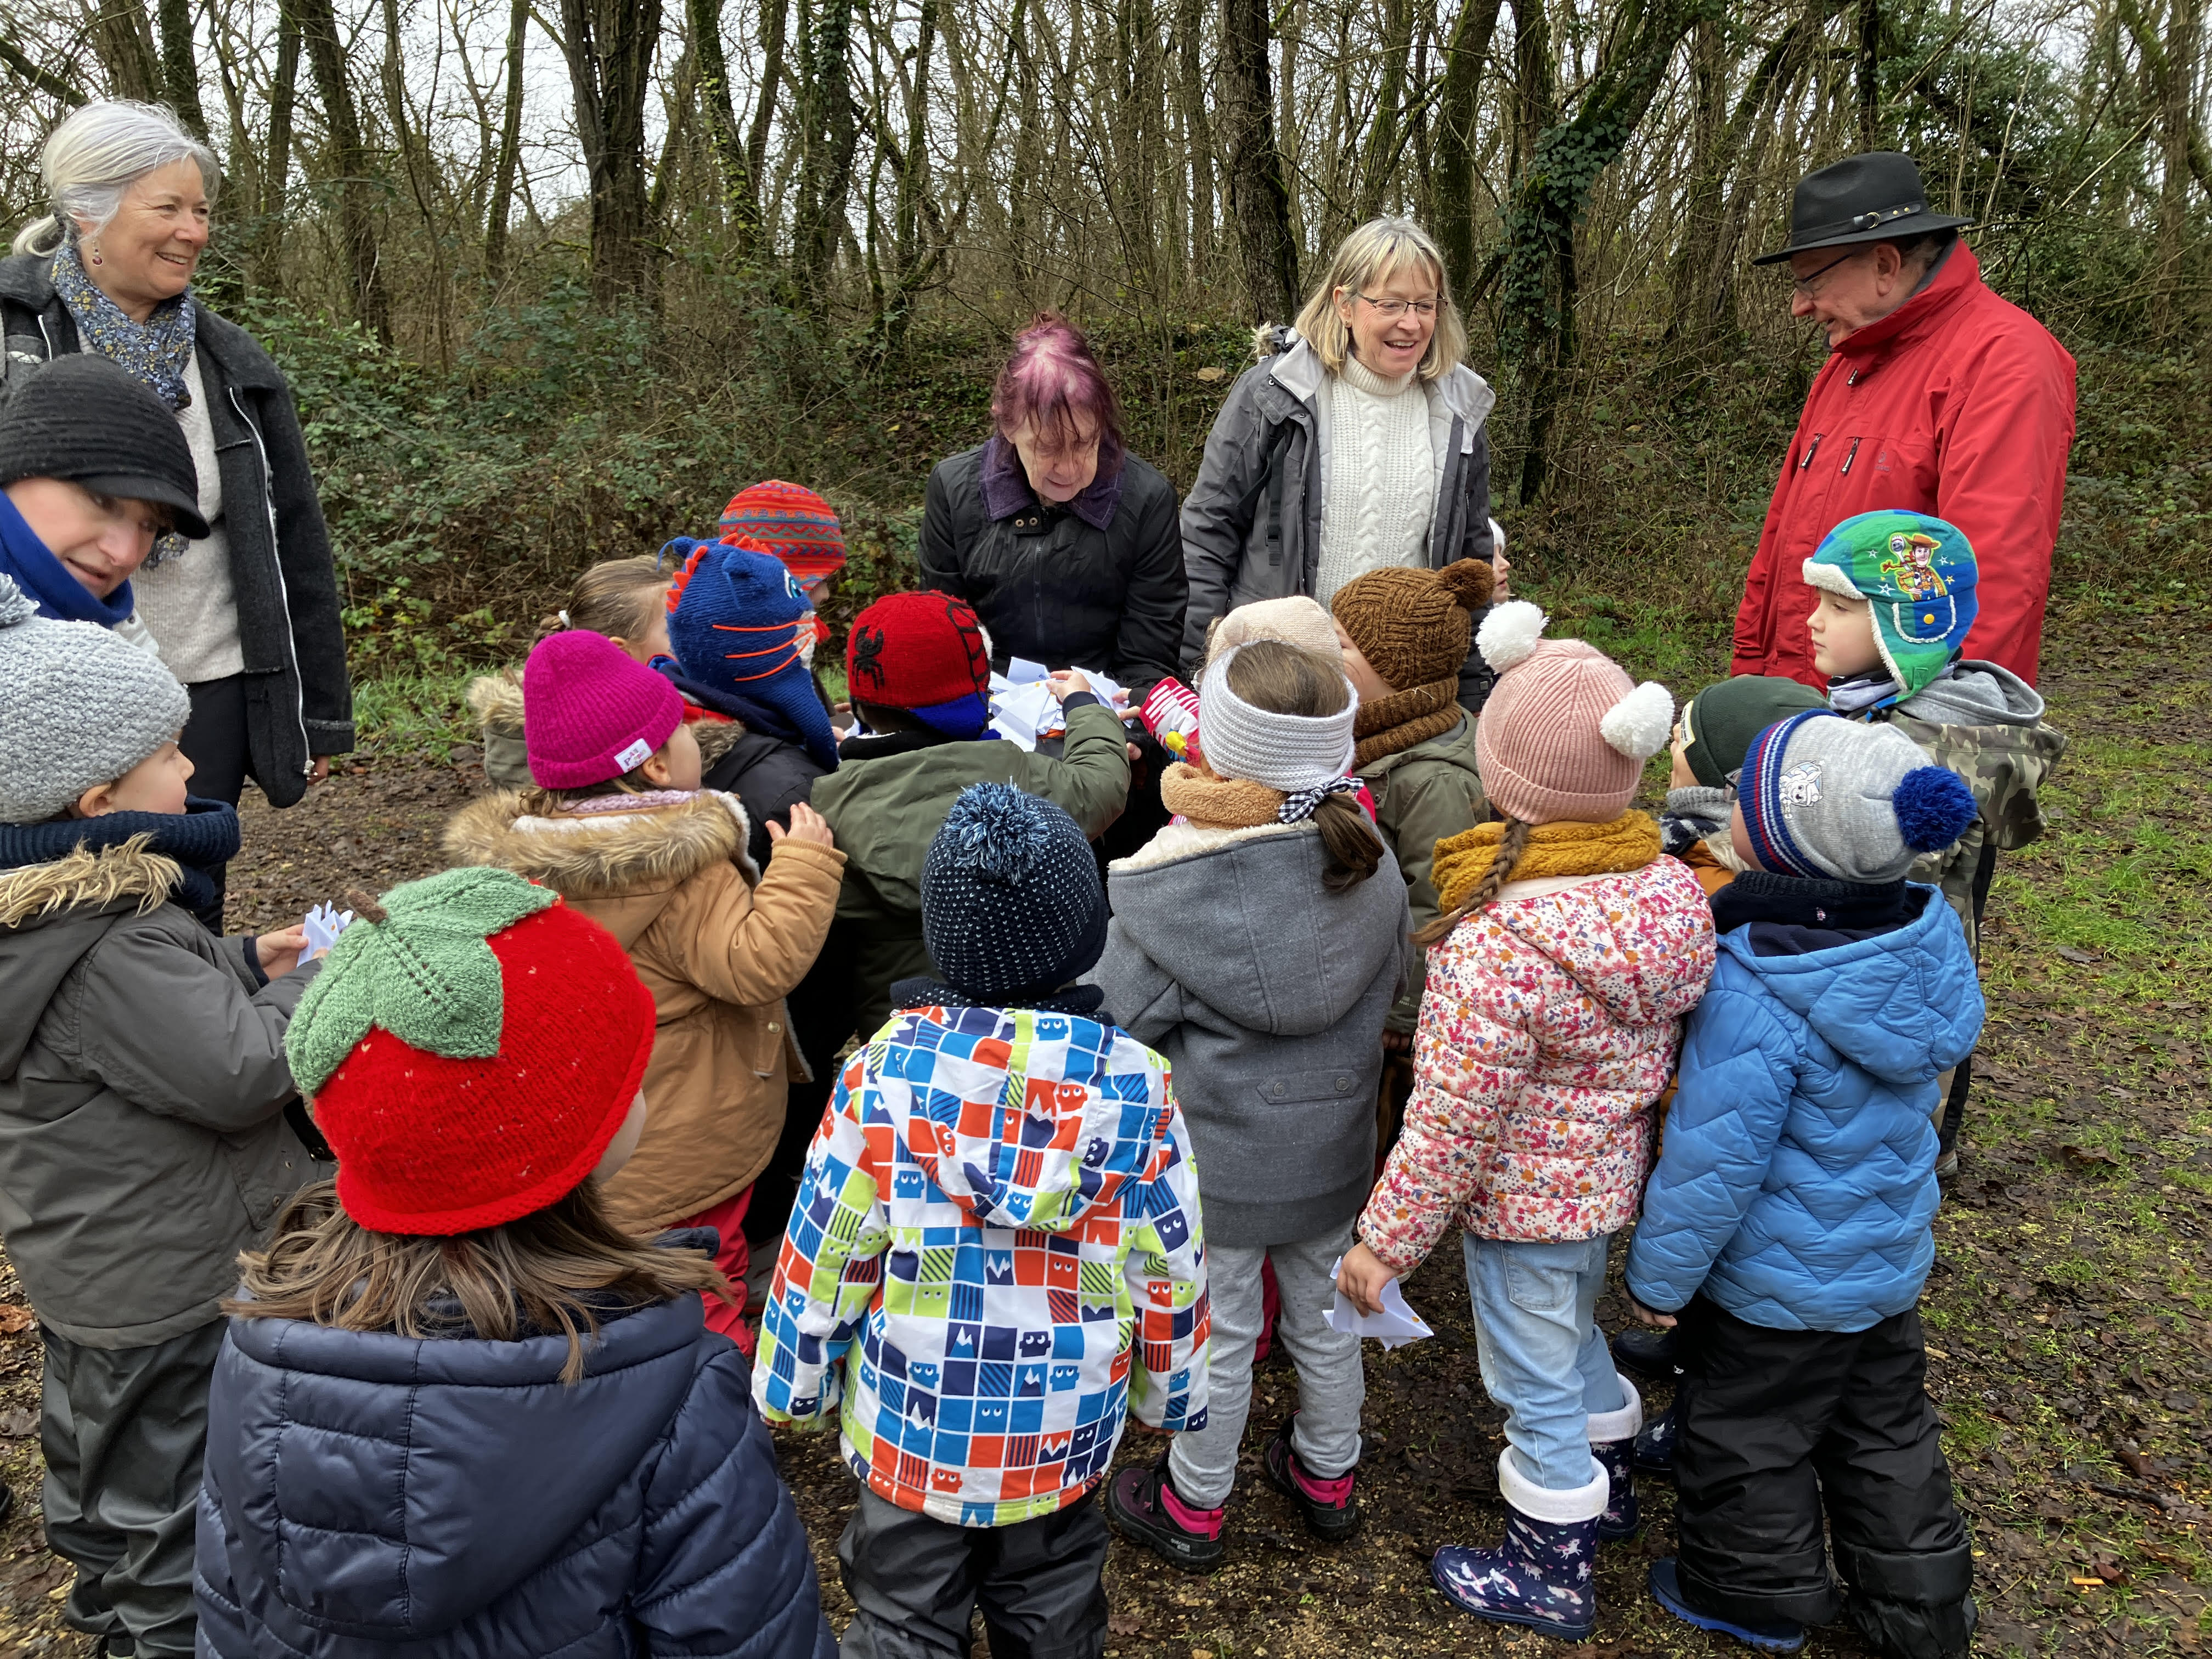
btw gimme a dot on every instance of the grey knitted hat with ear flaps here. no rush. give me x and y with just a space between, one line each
79 706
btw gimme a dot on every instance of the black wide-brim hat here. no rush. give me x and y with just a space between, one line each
1873 198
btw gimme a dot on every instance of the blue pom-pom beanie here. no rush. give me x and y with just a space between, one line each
740 626
1825 796
1012 903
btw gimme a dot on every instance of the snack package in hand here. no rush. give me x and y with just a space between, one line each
1170 714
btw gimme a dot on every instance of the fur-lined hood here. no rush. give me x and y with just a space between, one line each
496 702
133 870
608 855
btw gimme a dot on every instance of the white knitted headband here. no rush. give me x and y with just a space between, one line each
1289 752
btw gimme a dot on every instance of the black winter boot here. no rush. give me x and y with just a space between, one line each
1912 1606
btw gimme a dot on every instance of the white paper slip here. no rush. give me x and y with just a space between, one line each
1394 1326
322 925
1020 670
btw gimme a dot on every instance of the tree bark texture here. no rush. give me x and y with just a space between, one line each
1257 197
610 47
349 158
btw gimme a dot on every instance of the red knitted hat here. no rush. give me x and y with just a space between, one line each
925 653
791 522
592 712
471 1054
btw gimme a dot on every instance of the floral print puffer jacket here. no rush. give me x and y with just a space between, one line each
1549 1027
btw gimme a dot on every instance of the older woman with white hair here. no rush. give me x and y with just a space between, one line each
1357 442
247 615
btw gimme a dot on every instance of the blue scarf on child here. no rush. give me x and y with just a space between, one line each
203 837
48 583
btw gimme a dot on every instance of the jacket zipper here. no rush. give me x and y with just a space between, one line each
1850 455
1811 450
283 592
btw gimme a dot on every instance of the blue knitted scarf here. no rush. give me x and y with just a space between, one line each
204 836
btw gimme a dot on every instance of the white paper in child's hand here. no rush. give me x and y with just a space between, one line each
322 925
1394 1326
1020 670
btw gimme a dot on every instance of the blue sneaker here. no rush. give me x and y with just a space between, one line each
1666 1587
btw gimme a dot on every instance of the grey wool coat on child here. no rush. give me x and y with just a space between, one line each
143 1086
1267 993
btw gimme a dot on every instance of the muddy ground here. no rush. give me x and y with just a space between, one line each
2069 1315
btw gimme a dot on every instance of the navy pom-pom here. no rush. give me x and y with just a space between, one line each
999 832
1934 806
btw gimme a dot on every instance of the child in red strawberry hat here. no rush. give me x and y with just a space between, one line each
459 1406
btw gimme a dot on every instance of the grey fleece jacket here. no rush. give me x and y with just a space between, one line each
143 1086
1267 994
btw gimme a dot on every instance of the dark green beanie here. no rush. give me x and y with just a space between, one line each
1722 720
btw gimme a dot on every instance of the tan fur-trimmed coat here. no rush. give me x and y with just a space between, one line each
719 944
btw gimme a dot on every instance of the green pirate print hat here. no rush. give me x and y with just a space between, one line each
1917 572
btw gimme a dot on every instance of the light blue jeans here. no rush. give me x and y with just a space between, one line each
1543 1358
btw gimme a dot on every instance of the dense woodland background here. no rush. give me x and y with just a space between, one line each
552 282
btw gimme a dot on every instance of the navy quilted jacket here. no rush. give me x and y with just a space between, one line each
378 1495
1797 1179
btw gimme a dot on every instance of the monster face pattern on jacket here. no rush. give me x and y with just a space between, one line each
995 1250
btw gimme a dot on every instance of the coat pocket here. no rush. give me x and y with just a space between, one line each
1314 1107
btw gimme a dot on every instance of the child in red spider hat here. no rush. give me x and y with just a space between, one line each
459 1408
918 667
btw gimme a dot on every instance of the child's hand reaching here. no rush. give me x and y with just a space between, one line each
279 952
1362 1278
806 825
1643 1316
1067 683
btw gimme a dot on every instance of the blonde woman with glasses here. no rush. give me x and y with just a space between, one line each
1354 444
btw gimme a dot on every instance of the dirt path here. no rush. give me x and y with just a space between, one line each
2069 1315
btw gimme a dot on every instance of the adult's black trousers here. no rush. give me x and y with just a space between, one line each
916 1583
1778 1429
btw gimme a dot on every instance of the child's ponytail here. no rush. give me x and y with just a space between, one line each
1510 846
1354 850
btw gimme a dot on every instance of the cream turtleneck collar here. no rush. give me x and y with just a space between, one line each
1361 378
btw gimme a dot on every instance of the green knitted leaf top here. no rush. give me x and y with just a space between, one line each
425 974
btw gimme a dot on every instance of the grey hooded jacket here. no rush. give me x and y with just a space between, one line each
143 1086
298 701
1251 524
1267 993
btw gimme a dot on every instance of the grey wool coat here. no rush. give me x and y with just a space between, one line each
1267 993
1251 524
142 1086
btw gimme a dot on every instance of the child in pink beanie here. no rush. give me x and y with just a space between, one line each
1567 953
619 826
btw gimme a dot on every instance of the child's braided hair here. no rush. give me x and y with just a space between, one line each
1510 846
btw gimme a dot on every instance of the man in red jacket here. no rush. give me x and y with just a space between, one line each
1937 397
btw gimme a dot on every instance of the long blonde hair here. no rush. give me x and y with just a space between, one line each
1366 258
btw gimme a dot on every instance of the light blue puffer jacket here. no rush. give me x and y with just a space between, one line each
1797 1179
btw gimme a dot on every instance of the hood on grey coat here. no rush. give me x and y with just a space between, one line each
1976 694
1244 924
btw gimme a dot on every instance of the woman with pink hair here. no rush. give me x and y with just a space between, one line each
1065 545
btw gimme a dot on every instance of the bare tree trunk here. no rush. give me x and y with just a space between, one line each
830 138
1257 197
180 72
1190 25
1868 66
774 16
1455 126
319 33
276 168
510 147
1534 97
910 267
740 196
415 164
610 46
124 46
1383 140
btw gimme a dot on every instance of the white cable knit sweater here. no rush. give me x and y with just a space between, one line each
1382 477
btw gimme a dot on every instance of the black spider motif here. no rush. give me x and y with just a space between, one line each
964 623
867 654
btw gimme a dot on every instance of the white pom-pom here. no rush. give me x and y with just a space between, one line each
1639 725
1509 634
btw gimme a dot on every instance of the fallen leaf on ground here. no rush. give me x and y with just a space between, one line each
14 1318
1123 1624
2087 1158
2072 955
15 1424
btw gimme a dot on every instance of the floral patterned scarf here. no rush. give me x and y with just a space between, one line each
158 351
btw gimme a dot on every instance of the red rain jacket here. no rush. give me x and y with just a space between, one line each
1957 404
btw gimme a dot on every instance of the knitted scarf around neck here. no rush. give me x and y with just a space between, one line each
204 834
156 351
1397 722
1628 842
1219 803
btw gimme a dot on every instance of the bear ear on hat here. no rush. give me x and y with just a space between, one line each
1509 634
1639 724
1469 582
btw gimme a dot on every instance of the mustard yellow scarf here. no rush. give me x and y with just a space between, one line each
1629 842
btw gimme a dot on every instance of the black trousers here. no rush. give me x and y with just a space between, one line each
124 1434
1962 1079
215 743
916 1583
1777 1428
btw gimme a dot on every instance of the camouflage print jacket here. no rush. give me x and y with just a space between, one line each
1986 723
